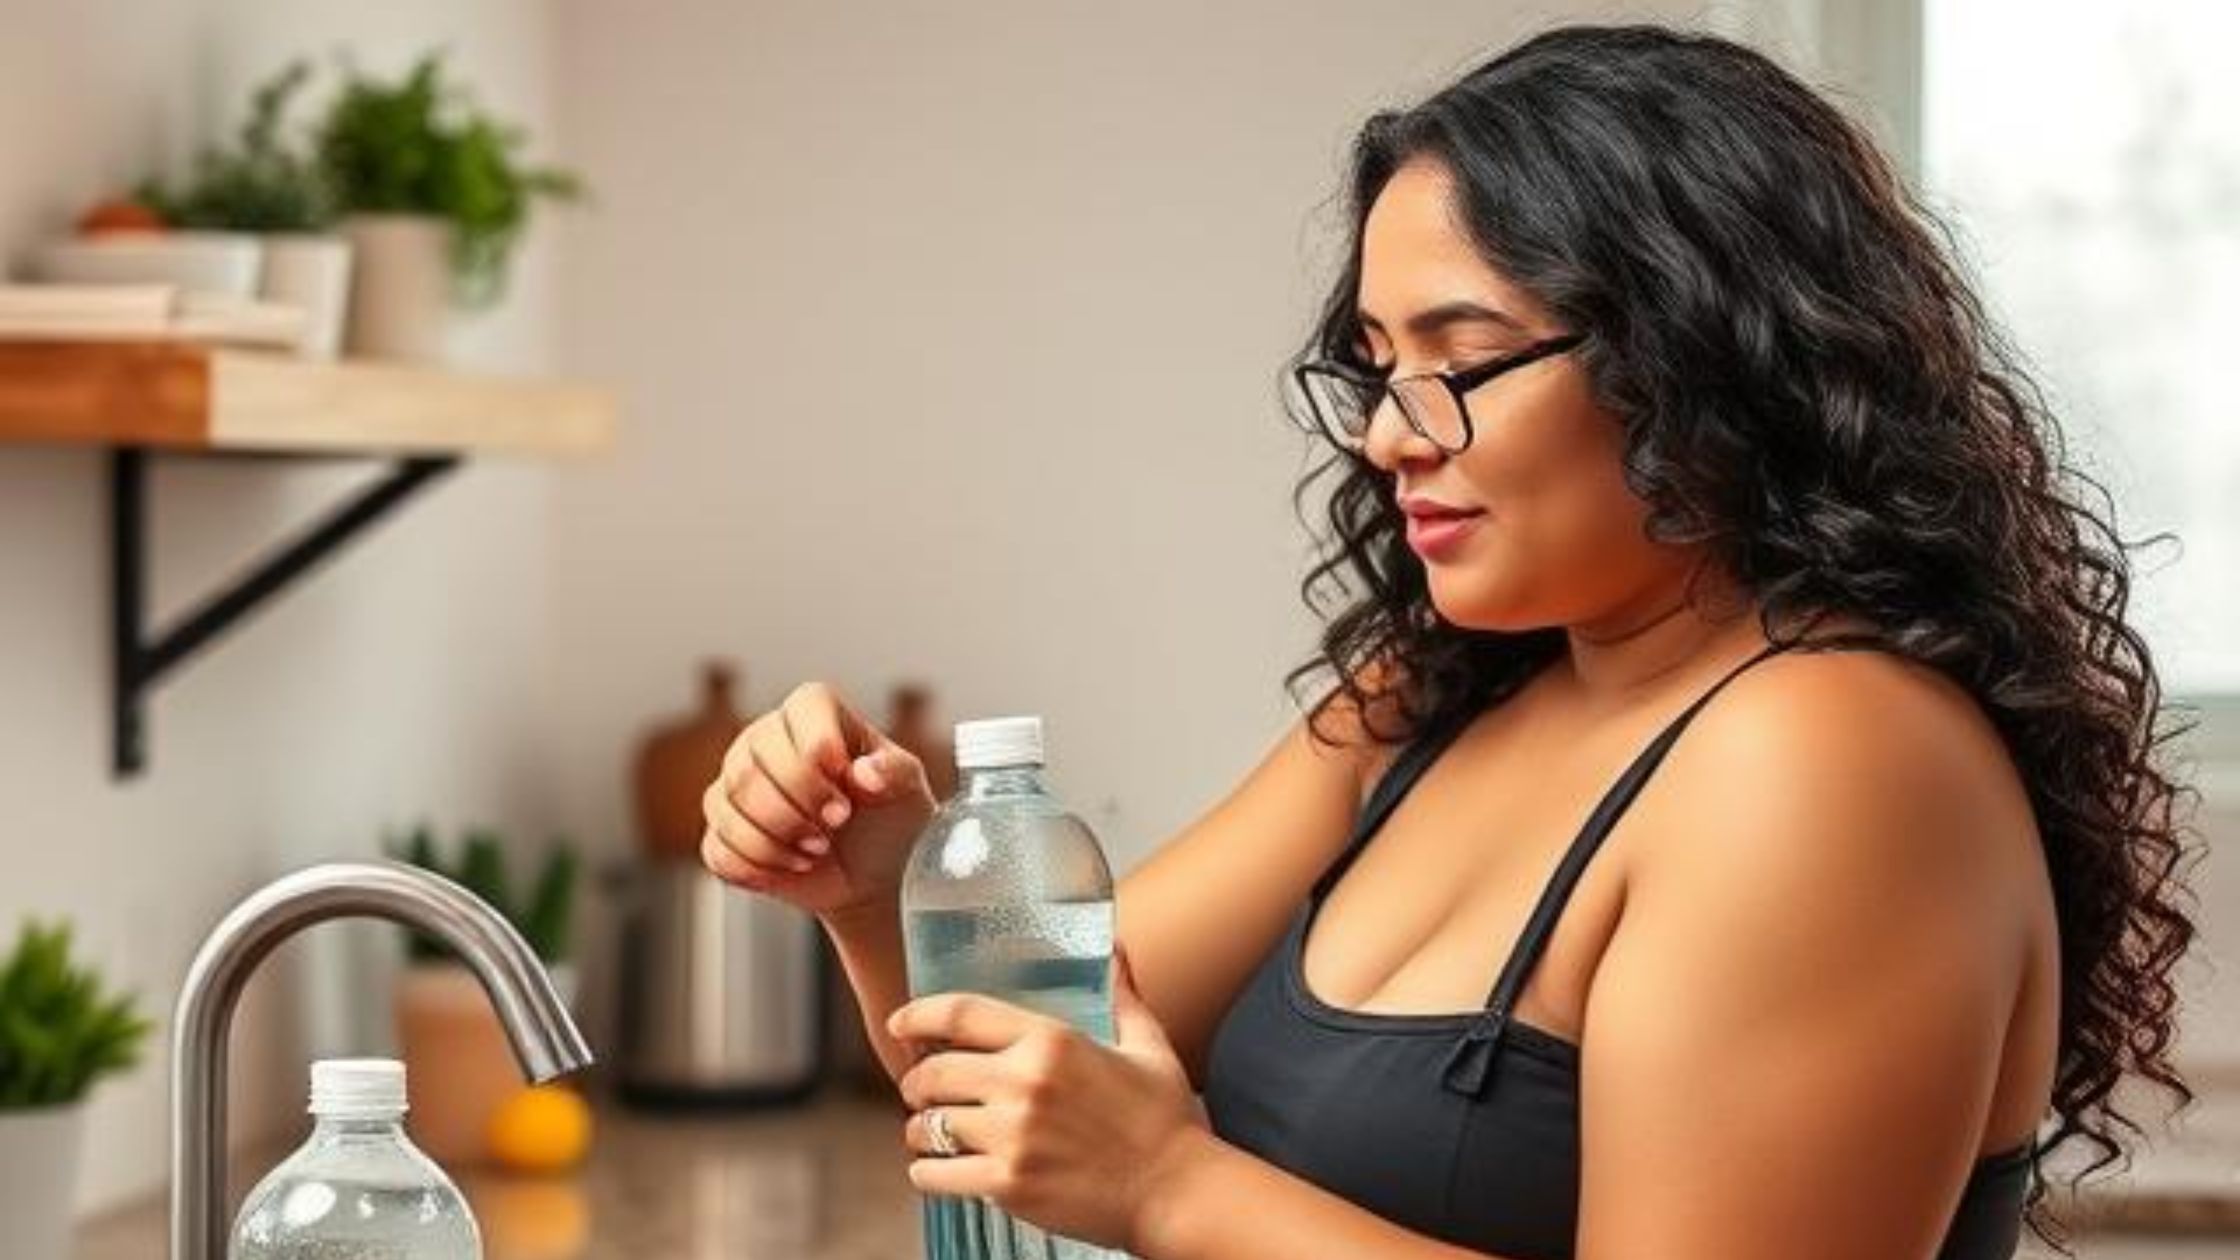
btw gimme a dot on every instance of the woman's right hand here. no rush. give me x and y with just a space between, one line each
816 806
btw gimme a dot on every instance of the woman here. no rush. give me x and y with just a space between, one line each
1655 409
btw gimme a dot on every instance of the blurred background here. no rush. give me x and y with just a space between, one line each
904 345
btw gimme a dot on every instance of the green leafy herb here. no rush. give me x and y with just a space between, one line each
59 1031
414 147
543 921
262 184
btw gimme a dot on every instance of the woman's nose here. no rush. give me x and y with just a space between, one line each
1390 442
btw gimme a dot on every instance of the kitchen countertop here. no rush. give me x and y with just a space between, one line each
824 1181
2185 1180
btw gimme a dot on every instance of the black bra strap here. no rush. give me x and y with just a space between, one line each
1606 813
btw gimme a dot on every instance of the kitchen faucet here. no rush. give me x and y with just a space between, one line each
544 1038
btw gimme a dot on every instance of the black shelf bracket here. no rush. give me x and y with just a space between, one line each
141 659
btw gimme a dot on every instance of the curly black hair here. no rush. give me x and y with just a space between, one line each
1810 391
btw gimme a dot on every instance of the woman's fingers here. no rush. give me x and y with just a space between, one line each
726 864
968 1021
958 1084
976 1130
949 1077
886 773
823 734
855 758
768 808
806 779
783 793
870 774
745 839
824 728
964 1177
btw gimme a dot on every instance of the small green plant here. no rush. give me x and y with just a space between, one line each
262 184
416 147
543 919
59 1032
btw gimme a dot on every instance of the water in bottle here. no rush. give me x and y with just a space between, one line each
1009 895
358 1189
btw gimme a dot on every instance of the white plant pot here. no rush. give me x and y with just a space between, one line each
204 262
400 298
39 1180
311 272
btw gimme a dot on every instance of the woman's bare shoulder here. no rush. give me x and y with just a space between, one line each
1853 708
1865 750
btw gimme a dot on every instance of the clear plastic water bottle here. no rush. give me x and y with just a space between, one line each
1009 895
358 1189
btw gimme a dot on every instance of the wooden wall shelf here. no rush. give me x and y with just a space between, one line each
180 396
142 398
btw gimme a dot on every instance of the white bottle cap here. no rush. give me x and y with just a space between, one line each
357 1087
995 743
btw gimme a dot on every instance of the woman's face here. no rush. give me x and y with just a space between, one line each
1549 533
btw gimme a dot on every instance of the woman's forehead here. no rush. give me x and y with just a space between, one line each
1417 256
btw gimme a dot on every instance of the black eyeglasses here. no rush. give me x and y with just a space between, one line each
1342 399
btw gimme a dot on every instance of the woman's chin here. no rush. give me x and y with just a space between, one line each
1469 606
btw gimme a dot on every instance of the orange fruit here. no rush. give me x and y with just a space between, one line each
541 1129
119 216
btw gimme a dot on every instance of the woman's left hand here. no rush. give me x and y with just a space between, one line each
1053 1126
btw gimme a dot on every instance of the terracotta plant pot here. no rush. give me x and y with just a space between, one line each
458 1065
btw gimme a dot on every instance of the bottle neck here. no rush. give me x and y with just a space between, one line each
992 782
348 1125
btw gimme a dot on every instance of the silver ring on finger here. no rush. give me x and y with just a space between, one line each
944 1143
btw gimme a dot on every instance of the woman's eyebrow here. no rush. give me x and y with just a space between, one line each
1446 314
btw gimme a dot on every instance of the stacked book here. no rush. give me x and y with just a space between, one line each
144 312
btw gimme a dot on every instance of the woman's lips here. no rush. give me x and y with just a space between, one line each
1433 535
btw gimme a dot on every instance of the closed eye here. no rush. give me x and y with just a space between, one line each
1359 361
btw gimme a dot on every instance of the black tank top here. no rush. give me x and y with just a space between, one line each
1464 1127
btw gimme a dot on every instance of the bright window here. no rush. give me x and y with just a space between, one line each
2090 155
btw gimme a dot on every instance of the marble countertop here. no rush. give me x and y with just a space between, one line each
825 1181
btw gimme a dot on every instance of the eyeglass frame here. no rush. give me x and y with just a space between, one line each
1458 384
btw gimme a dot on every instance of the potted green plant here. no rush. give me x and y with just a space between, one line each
435 197
60 1032
454 1049
265 183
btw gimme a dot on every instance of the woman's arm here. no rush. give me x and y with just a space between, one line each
1201 913
868 943
1793 1039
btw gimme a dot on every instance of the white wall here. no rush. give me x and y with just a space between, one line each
403 681
950 337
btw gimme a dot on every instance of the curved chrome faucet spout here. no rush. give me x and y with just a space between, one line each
544 1038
